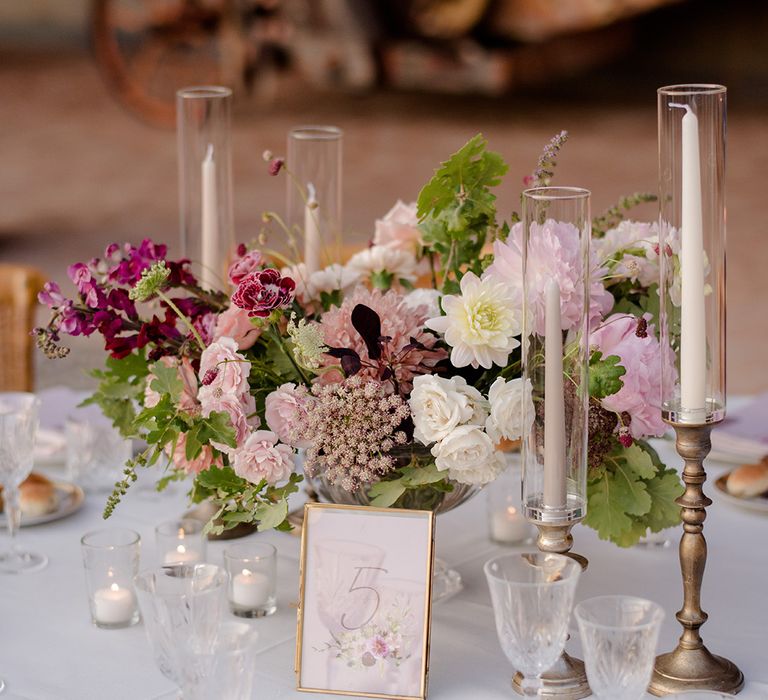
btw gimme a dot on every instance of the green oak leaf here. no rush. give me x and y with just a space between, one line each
605 375
270 515
631 493
639 461
223 478
166 381
605 508
630 537
663 490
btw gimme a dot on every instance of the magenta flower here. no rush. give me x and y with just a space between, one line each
51 296
264 291
275 165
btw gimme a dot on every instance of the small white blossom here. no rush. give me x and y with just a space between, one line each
469 456
381 262
308 345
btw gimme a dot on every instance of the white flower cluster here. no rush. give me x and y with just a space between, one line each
464 427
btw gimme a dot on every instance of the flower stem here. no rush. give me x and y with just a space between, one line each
186 321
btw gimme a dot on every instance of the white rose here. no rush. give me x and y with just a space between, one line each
469 456
437 408
506 419
477 401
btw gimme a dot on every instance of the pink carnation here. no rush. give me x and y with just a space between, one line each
262 457
235 323
553 253
247 263
398 322
263 291
399 228
226 369
640 395
286 408
200 463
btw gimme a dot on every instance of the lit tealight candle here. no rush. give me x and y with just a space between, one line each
250 589
181 555
113 605
509 526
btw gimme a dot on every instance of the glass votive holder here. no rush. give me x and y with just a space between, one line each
506 520
111 561
96 453
252 568
181 542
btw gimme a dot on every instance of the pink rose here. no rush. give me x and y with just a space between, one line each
640 396
188 401
262 457
235 323
223 370
286 407
399 228
241 268
263 291
200 463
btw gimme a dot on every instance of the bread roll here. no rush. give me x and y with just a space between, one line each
748 480
37 496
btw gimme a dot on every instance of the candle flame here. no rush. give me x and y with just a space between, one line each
246 572
511 510
181 549
114 587
181 533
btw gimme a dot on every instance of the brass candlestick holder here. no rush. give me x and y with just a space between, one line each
691 666
567 679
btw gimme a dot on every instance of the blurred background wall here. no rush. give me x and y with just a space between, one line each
89 154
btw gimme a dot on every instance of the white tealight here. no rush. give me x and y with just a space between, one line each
509 526
181 555
250 589
113 605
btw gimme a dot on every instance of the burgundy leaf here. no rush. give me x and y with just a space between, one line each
368 324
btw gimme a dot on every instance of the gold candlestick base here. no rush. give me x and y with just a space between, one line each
567 679
691 666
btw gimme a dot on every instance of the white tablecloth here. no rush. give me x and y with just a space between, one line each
49 649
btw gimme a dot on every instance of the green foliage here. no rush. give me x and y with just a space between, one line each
457 209
632 494
120 386
604 375
388 492
614 215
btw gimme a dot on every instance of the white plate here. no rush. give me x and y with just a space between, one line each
758 504
70 500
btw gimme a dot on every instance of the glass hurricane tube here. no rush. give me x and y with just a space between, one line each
313 213
555 357
203 118
692 125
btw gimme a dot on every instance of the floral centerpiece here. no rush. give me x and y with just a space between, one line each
396 374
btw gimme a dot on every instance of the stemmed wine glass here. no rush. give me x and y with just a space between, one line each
18 426
182 607
532 595
619 635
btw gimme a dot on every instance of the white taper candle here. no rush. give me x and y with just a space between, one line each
311 231
693 335
555 491
211 256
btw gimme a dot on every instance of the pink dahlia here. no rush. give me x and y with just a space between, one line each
399 323
553 253
640 355
263 291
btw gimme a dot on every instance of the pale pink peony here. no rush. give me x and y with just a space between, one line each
235 323
399 228
243 266
286 408
633 246
200 463
311 287
223 370
262 457
553 253
398 322
188 401
640 396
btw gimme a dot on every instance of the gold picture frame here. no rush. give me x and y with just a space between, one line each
315 509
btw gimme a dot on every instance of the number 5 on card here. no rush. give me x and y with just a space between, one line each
365 601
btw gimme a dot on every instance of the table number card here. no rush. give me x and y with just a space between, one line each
364 616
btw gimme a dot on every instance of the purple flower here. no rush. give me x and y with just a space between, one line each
51 295
262 292
275 165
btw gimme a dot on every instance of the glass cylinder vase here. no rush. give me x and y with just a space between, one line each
556 273
692 125
203 118
314 194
